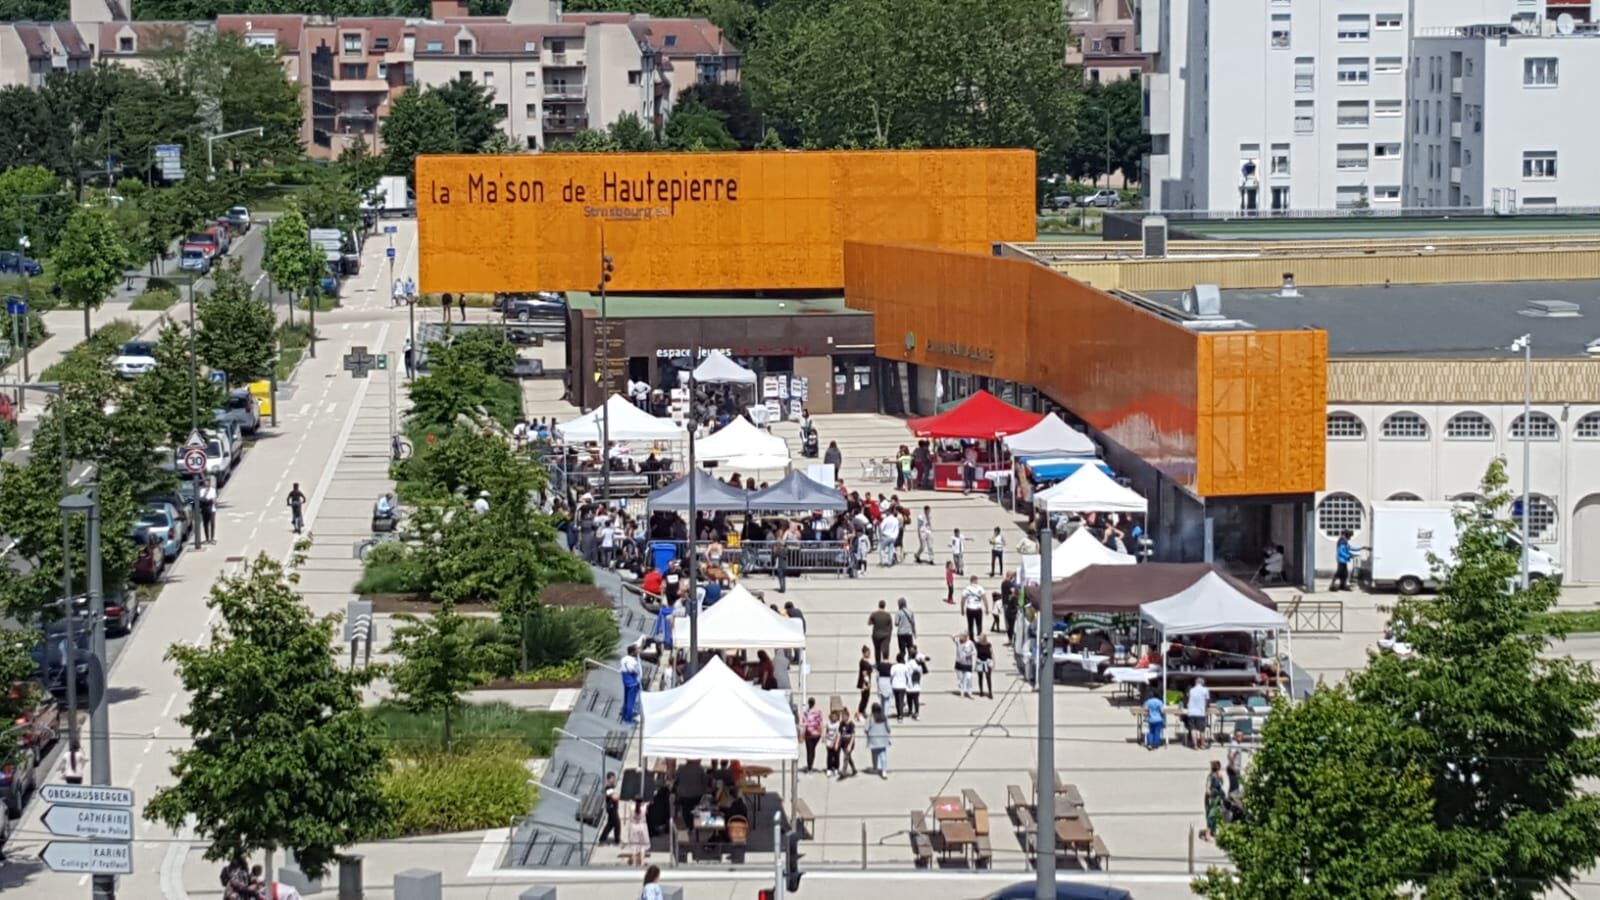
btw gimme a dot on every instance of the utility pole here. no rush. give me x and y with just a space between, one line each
211 139
1108 148
99 715
1525 344
1045 672
694 518
194 413
607 267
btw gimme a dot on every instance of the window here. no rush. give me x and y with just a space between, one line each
671 40
434 47
1390 150
1540 428
1405 426
1280 198
464 47
1343 426
635 76
1538 201
1539 71
1355 27
1305 74
1094 75
1386 21
1469 426
380 44
1338 513
530 79
1280 31
1541 518
1305 120
1280 159
558 46
352 71
1588 428
1538 164
1353 113
352 43
1350 196
1386 192
531 110
1354 70
125 45
1404 497
383 71
1351 157
488 79
1387 109
500 110
1387 65
463 75
1093 45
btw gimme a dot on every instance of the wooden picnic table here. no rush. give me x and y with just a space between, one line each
958 836
759 773
1063 789
1074 834
948 809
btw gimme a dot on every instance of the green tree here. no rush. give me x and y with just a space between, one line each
89 258
237 86
16 668
361 168
170 395
32 134
440 659
630 134
694 127
500 143
472 109
466 377
1503 726
28 196
289 258
283 756
771 141
588 140
1110 127
742 119
332 202
1330 816
236 329
419 123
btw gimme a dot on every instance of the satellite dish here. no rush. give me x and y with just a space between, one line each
1564 24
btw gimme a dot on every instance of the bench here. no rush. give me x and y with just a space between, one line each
972 799
1099 855
921 842
980 821
983 854
919 823
803 817
1027 832
592 809
1015 797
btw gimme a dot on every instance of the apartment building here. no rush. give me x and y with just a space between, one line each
30 52
1104 44
1273 105
1492 121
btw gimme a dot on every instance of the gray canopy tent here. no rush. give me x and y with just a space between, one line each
796 493
710 495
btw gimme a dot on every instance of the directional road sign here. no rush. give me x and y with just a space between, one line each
194 460
359 362
90 822
218 377
390 229
389 252
87 795
89 858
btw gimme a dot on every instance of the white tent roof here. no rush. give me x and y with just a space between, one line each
743 441
717 368
740 621
1211 604
1051 435
717 715
1078 552
1090 490
628 423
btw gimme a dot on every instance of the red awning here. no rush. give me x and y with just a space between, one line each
983 415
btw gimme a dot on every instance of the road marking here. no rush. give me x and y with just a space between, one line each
323 483
303 410
166 711
148 745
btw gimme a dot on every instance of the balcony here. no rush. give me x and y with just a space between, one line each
359 86
1455 174
565 91
568 59
565 124
1455 85
1249 183
1455 130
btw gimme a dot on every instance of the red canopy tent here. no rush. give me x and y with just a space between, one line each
983 416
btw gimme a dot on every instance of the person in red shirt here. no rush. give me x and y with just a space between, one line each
653 583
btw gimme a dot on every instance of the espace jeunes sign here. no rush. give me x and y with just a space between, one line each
704 221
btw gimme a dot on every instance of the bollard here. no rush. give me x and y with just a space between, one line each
672 892
863 846
538 892
350 877
1191 849
419 884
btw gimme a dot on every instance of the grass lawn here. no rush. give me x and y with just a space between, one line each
292 343
324 302
533 729
1577 621
156 298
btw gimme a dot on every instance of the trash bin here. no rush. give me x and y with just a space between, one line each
662 553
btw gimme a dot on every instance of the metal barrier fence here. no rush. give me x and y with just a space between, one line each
1315 616
761 556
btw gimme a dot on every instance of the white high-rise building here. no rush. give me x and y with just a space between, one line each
1495 118
1287 104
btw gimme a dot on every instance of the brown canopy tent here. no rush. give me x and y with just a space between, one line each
1123 589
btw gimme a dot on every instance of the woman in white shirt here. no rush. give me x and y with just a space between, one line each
966 655
899 681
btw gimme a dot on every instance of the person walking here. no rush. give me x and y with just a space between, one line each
972 603
638 835
903 469
847 745
878 740
1155 718
905 626
916 667
444 303
997 552
652 890
899 680
811 727
297 503
950 582
834 458
1215 792
1343 554
882 625
884 669
780 561
630 684
410 354
925 535
958 546
864 671
888 539
966 656
984 666
1235 763
1008 606
1194 714
461 304
208 510
72 766
613 824
830 737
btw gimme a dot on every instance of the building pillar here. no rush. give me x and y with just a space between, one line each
1210 551
1306 537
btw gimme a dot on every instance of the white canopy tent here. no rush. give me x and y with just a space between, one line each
740 443
1090 490
1051 436
741 622
1212 605
716 715
628 423
1078 552
717 368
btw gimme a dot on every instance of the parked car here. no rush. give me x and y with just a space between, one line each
239 218
1062 200
194 259
18 777
182 500
224 240
14 263
203 240
522 307
1104 198
135 359
228 433
151 563
121 609
160 521
241 411
51 655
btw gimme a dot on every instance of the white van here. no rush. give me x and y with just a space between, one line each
1403 534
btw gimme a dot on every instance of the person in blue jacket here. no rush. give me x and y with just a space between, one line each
1156 718
1343 553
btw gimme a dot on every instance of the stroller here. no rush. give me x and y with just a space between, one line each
808 443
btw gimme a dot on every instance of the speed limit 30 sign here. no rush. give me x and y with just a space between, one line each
194 460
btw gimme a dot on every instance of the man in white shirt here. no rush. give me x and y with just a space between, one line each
640 391
899 681
972 597
607 533
958 545
481 505
925 534
399 290
631 673
1194 714
888 539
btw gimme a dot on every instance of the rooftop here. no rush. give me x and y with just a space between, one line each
1414 224
1451 321
639 306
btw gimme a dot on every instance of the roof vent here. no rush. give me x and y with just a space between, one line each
1204 301
1288 289
1553 309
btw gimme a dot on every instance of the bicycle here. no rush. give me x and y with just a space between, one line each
365 546
399 448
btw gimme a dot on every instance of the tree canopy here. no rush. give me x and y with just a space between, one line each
89 258
236 329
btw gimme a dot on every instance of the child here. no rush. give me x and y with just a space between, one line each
830 736
950 583
997 552
918 665
847 745
638 836
863 547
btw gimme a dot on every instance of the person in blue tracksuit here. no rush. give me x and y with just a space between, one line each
1343 553
630 685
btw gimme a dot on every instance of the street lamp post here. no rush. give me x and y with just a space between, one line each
194 413
1525 344
1045 677
211 139
99 713
606 268
694 519
1108 148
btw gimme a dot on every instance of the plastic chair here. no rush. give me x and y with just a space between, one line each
1257 704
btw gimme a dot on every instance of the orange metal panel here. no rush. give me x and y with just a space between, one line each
704 221
1260 412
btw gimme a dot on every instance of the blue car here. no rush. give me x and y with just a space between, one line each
14 263
164 523
1065 890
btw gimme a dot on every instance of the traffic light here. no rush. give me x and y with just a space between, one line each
606 268
791 860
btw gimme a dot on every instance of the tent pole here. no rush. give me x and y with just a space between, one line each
694 556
